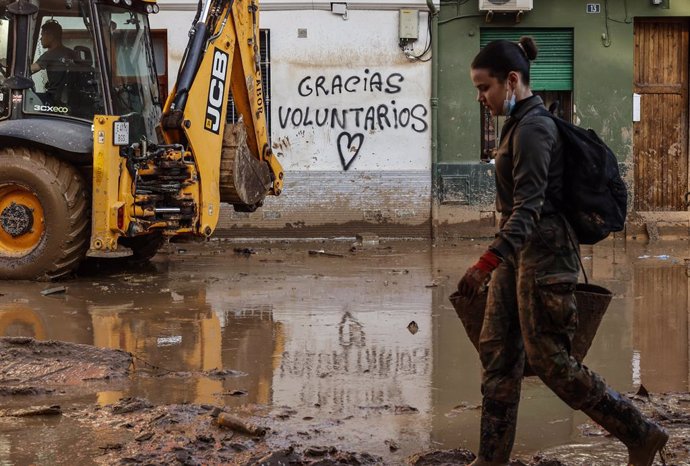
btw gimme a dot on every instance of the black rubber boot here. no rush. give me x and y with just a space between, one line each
620 417
497 433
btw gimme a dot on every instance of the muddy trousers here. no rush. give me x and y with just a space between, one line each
531 316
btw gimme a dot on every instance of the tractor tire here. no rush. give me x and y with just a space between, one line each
144 247
44 215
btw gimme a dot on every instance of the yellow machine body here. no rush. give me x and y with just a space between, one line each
193 142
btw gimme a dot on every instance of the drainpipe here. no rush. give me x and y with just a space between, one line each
435 182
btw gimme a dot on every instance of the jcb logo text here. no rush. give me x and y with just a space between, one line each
216 90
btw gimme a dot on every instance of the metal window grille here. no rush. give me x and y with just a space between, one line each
265 62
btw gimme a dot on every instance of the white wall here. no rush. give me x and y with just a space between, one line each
345 97
350 118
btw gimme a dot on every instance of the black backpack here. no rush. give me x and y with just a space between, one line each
595 198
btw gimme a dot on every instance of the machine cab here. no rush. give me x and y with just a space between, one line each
73 59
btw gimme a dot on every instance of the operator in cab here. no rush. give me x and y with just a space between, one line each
55 60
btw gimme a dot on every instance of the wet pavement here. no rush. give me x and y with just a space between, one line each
323 344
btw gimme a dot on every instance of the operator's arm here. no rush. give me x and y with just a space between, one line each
41 63
533 145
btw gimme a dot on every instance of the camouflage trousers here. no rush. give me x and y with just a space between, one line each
531 315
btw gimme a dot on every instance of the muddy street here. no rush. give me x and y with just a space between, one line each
350 355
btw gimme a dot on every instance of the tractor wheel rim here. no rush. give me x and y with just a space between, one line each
22 223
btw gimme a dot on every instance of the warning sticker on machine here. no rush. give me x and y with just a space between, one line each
121 133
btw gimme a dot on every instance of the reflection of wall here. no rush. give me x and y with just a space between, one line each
661 326
378 372
349 352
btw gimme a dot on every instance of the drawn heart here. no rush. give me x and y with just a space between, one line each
348 147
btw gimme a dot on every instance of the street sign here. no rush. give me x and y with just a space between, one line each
594 8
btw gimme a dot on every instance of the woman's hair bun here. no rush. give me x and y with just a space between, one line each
529 46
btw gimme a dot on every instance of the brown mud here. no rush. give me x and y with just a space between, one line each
352 355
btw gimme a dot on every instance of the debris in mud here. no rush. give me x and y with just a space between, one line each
236 393
321 456
540 461
642 392
130 405
53 410
392 445
462 407
592 430
284 456
24 390
286 414
436 282
55 290
169 341
405 409
461 456
222 373
319 451
365 241
144 437
25 361
652 231
321 252
111 446
413 327
240 425
442 457
244 251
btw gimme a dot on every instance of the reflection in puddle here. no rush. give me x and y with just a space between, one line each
328 339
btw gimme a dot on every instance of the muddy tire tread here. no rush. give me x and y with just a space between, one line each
74 188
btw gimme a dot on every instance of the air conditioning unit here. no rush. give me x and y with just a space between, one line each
505 5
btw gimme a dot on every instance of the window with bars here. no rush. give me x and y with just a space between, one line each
265 62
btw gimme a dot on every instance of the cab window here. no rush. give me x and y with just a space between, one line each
64 70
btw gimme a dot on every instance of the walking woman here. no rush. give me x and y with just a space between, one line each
531 313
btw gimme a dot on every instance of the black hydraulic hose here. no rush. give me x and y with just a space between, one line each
191 64
198 13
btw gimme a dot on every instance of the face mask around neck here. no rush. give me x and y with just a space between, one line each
509 103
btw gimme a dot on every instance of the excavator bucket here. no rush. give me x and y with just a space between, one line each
244 179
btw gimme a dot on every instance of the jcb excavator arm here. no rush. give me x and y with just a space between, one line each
175 186
223 55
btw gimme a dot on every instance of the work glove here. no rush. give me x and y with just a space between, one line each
477 275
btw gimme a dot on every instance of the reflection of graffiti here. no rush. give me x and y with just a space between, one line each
354 121
349 146
350 331
373 361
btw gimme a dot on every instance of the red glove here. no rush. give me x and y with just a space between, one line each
477 275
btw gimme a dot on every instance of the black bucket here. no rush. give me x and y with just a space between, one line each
592 302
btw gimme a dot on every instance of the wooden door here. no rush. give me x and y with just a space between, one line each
660 141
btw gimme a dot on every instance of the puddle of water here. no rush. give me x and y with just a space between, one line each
328 338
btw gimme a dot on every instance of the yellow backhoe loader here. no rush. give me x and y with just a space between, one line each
92 162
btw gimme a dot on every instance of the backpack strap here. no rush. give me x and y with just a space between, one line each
541 111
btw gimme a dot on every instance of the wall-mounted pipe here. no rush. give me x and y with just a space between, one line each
435 182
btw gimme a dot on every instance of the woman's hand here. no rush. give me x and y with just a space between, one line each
477 275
